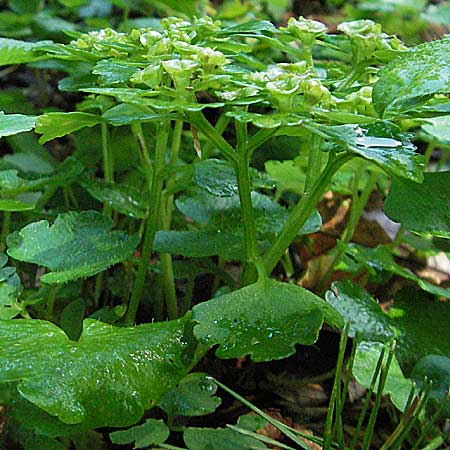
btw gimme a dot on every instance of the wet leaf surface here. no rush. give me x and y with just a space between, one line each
264 320
410 79
78 244
107 378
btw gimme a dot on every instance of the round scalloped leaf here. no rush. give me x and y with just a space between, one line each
264 320
424 207
412 78
194 396
78 244
152 432
107 378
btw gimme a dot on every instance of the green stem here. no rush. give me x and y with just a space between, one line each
170 293
108 163
136 128
302 212
314 162
221 126
199 121
51 302
152 220
5 228
359 202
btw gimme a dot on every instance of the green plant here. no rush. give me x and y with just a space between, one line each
339 99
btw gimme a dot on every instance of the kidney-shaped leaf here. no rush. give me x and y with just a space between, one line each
194 396
412 78
107 378
78 244
265 320
421 207
151 432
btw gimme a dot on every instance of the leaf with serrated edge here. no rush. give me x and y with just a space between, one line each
107 378
264 320
78 244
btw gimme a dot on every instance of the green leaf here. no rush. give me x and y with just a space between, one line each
365 315
380 142
437 369
288 175
251 27
78 244
15 205
439 128
423 208
113 72
123 199
17 52
397 385
107 378
264 320
11 183
11 124
194 396
71 320
224 213
53 125
219 178
198 244
412 78
152 432
10 287
125 114
380 259
423 324
219 439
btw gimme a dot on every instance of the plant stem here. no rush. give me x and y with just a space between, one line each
221 126
201 123
301 213
152 220
108 163
5 228
136 128
170 293
244 186
314 162
359 201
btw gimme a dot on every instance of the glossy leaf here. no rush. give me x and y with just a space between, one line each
410 79
223 213
53 125
125 114
380 142
76 245
439 128
152 432
197 244
194 396
17 52
424 207
365 315
113 72
218 178
397 385
264 320
107 378
123 199
11 124
10 287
